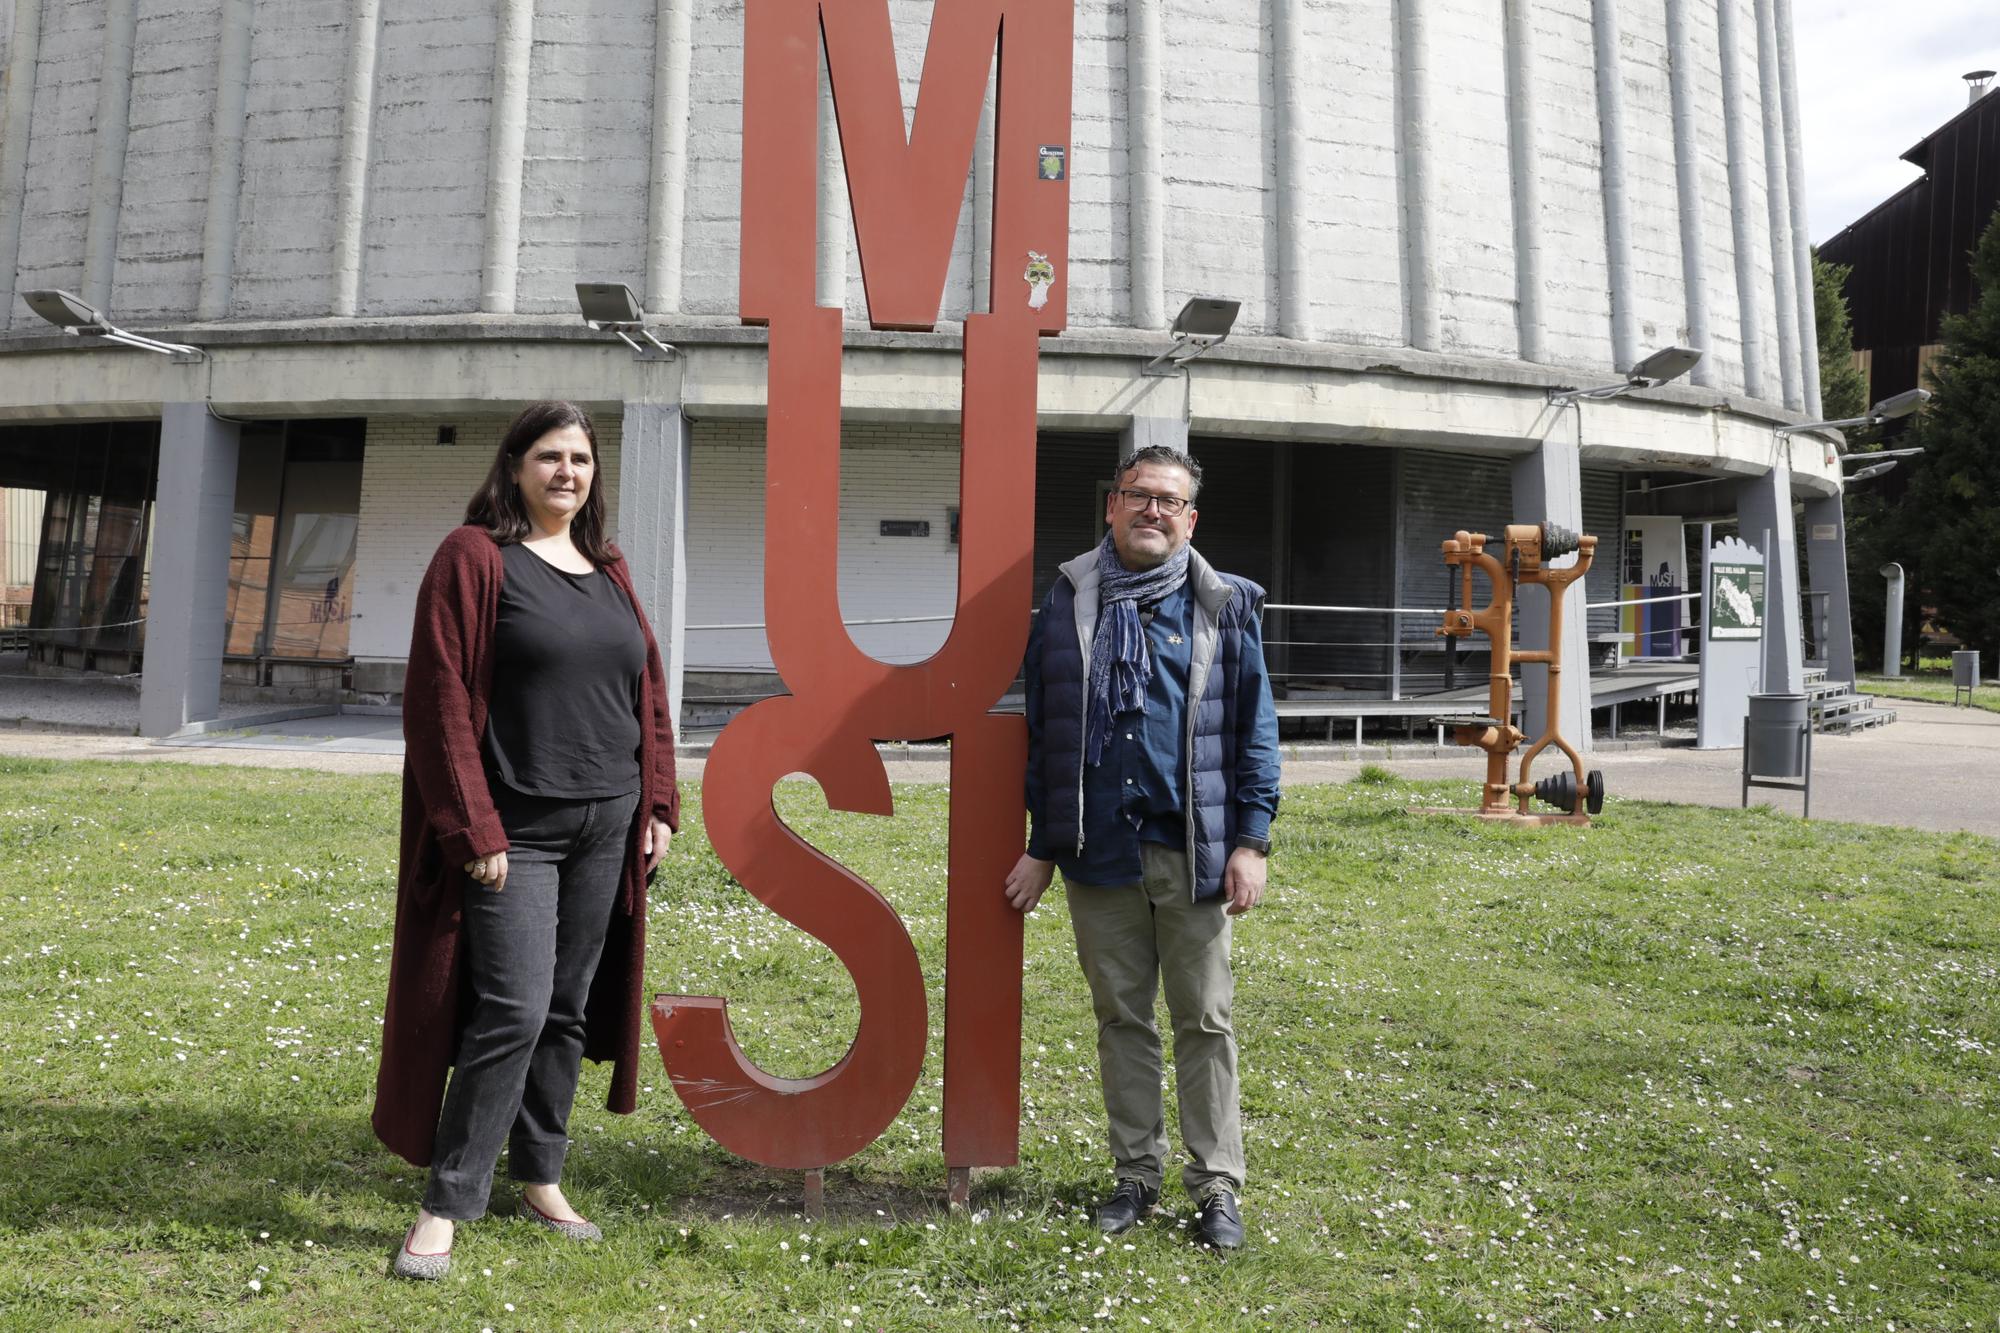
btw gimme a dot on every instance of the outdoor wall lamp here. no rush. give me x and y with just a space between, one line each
1892 620
1889 409
75 316
610 307
1202 323
1669 363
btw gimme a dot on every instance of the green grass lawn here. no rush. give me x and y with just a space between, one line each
1690 1068
1929 688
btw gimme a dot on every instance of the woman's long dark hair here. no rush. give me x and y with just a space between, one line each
497 505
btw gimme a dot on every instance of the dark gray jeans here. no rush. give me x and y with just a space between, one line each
531 950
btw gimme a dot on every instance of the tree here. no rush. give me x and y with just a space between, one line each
1877 530
1952 508
1843 389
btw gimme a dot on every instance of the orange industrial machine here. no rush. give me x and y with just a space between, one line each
1530 549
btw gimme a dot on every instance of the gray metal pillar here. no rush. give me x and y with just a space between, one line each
1278 625
1548 488
1764 505
1826 559
185 617
1139 432
653 457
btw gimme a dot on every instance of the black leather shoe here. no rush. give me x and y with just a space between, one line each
1128 1205
1221 1222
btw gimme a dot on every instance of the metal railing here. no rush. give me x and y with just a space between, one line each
1393 648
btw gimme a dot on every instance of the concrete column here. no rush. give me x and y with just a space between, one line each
185 626
107 162
835 229
364 29
1687 179
1548 488
1524 157
1777 199
1140 431
673 46
225 160
1795 180
1764 520
1419 197
653 457
507 140
1145 137
1735 84
1617 213
1290 60
23 57
1826 559
982 206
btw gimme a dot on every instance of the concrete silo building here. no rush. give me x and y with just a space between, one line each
371 214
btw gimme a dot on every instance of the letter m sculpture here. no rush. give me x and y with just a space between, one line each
906 191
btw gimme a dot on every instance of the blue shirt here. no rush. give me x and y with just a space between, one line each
1150 748
1233 766
1135 793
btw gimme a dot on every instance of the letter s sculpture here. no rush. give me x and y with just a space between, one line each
906 195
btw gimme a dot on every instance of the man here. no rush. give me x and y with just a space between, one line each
1152 780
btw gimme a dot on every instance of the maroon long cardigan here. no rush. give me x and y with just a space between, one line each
448 820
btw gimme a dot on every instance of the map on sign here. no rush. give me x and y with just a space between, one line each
1735 601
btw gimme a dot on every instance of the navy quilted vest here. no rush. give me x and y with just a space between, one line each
1223 604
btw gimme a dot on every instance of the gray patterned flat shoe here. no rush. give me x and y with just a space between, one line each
578 1230
419 1267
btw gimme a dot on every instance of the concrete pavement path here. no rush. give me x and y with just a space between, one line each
1932 769
1935 767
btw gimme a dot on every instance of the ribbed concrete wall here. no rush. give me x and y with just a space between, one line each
1489 178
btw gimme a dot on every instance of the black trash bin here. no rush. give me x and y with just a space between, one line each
1777 744
1964 674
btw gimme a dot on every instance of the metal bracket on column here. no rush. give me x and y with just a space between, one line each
650 350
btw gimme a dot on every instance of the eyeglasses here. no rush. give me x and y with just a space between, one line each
1135 502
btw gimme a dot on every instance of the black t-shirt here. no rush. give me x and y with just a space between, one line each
568 659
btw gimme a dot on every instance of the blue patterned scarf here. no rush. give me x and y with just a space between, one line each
1120 667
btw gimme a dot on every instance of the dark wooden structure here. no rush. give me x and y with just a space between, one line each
1911 254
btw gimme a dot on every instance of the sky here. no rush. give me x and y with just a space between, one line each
1876 76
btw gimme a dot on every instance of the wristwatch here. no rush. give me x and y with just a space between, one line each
1261 846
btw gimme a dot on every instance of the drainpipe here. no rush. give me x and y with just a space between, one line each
1892 622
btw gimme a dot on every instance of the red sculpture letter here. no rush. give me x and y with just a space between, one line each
906 193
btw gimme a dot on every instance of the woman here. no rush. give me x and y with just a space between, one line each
538 796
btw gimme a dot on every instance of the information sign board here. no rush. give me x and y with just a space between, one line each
1735 601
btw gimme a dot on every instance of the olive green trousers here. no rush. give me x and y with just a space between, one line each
1133 940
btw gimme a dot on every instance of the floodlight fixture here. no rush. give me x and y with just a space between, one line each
1669 363
78 318
610 307
1872 470
1911 452
1889 409
1202 323
1899 405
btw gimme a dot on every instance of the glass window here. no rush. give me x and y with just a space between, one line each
253 533
249 597
291 555
292 537
315 599
90 570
